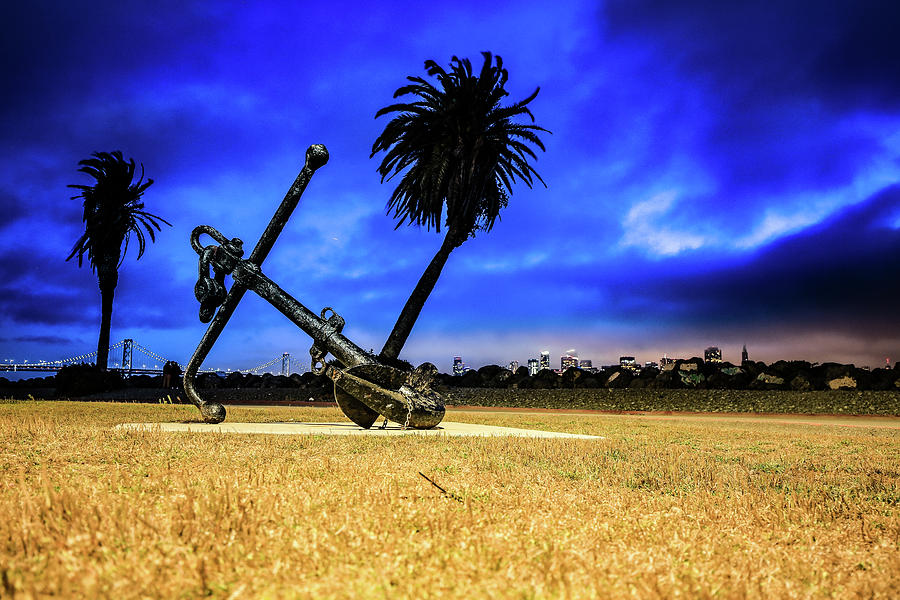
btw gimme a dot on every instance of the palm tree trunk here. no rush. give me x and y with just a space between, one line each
107 292
410 313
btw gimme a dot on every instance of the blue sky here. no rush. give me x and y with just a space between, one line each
721 175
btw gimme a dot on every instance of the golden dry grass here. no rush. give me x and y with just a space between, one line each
657 509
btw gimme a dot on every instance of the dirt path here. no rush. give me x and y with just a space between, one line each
876 421
815 420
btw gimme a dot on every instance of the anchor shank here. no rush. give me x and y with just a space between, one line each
316 156
250 276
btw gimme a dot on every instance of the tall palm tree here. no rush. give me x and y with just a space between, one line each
459 153
112 212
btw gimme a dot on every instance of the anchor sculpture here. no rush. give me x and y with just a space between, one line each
364 387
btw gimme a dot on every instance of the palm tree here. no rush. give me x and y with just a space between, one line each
459 153
112 212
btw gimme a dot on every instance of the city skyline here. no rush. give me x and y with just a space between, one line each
288 363
716 175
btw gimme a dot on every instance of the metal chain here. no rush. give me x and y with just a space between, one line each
408 414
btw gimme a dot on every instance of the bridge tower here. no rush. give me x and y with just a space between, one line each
127 350
286 364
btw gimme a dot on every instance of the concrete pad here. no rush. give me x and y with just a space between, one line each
446 428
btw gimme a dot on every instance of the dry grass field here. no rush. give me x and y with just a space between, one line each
661 508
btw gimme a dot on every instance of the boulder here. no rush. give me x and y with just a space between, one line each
788 369
738 377
517 380
525 383
283 381
268 381
448 380
712 367
801 383
82 380
618 379
638 383
667 379
882 379
829 371
470 379
842 383
645 379
718 380
209 381
502 377
691 378
493 376
767 381
589 383
649 373
570 377
753 369
546 380
864 378
489 372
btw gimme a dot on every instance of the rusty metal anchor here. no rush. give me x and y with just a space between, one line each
364 387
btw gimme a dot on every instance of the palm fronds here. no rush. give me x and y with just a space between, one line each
456 149
113 211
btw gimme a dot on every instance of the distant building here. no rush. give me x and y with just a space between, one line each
533 366
712 354
585 364
665 360
744 355
628 362
513 366
651 365
545 359
459 367
568 360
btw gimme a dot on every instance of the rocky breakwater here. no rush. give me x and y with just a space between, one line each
85 382
688 385
692 373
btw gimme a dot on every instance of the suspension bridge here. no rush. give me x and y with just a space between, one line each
280 365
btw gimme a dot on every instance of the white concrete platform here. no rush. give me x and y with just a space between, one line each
447 428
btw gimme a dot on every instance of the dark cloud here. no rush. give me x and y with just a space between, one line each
28 263
860 64
26 214
39 287
60 50
47 307
753 49
762 95
11 208
840 275
53 340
